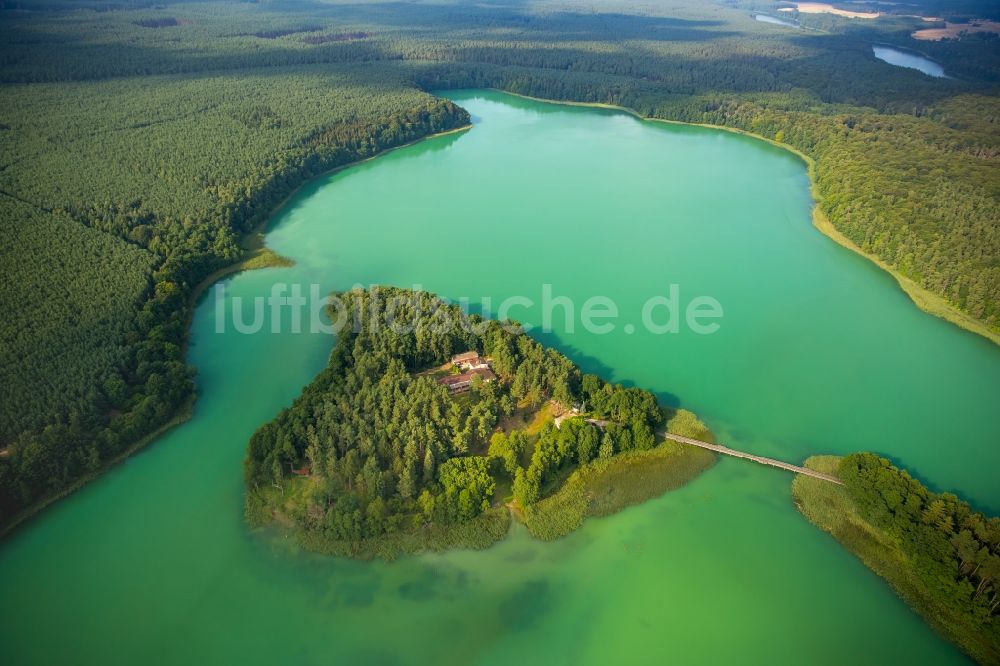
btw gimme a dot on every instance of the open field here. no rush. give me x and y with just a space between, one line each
824 8
953 30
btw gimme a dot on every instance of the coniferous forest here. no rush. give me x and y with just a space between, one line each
141 143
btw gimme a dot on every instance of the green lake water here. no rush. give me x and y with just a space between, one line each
818 352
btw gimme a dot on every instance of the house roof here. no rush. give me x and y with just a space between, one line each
485 373
466 356
451 380
466 377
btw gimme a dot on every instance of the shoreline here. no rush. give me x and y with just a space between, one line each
181 417
254 240
258 256
925 300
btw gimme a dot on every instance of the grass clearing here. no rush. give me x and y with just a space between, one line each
608 485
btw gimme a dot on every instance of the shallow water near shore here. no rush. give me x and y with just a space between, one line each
818 351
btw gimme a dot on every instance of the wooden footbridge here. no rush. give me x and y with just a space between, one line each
718 448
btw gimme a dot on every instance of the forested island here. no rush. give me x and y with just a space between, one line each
143 143
936 552
394 449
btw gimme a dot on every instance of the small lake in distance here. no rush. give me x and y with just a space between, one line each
764 18
910 60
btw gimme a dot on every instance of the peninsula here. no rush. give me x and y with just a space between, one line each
938 554
430 437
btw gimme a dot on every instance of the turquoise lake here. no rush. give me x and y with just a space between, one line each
817 351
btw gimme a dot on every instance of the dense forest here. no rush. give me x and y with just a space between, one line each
389 450
75 359
163 133
939 554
